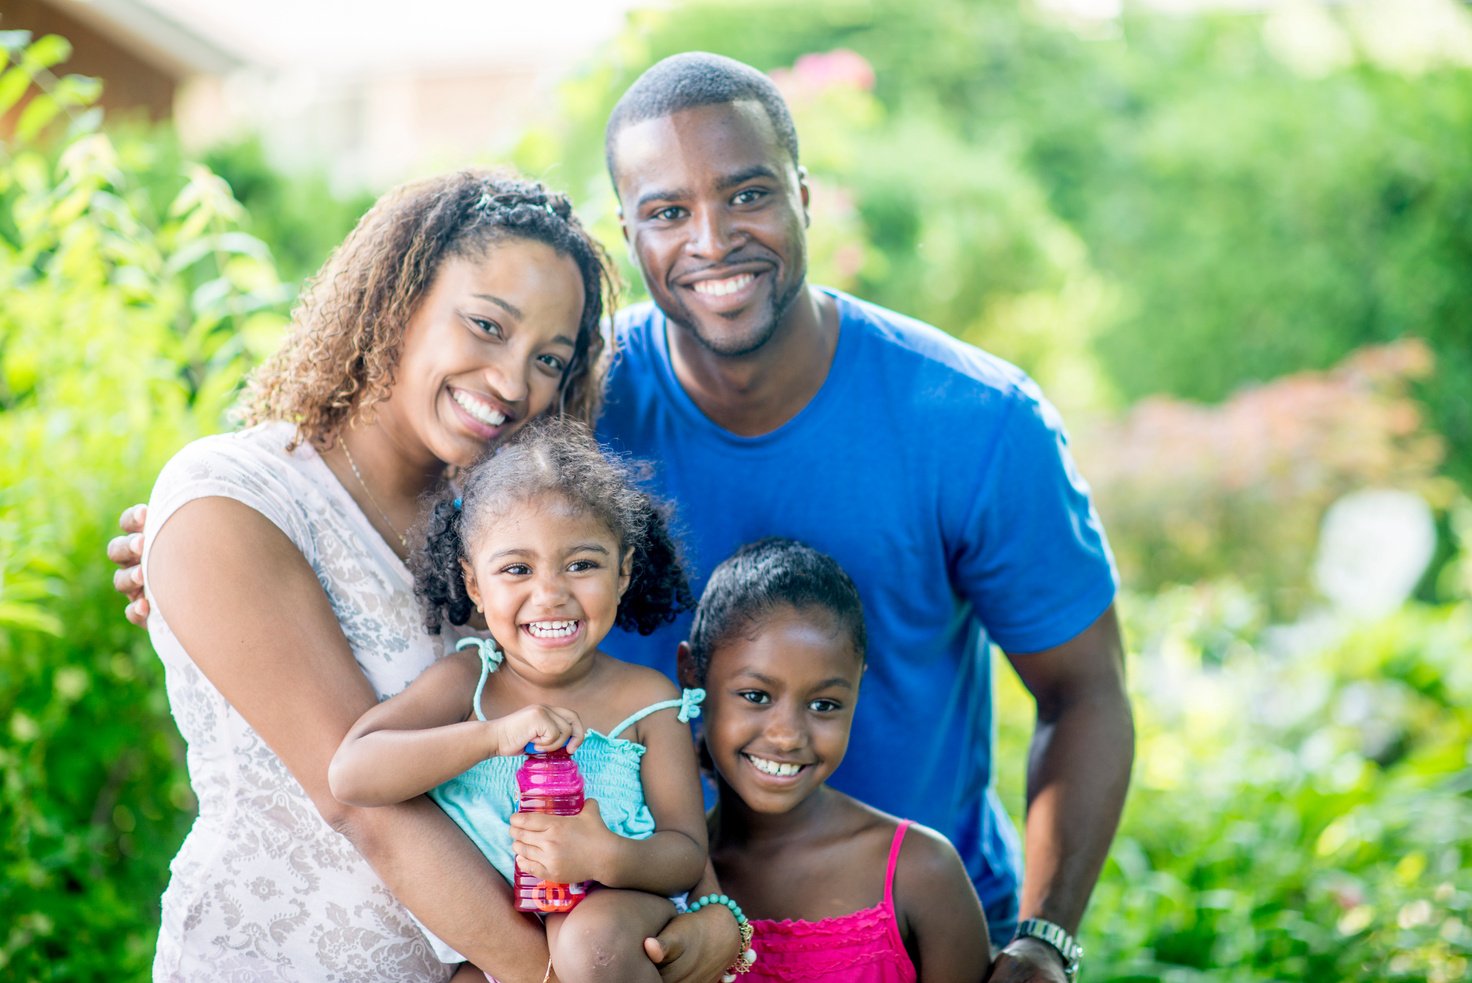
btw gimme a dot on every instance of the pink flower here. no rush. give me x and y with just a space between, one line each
820 71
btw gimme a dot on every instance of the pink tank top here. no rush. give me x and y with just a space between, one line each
864 947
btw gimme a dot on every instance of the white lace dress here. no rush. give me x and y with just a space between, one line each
263 888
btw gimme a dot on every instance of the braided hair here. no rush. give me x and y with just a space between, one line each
555 459
347 330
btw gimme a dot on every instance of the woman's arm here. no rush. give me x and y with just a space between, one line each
248 609
420 738
939 914
576 848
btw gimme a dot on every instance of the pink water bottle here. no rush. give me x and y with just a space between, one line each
548 781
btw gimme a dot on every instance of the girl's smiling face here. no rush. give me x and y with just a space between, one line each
549 577
779 705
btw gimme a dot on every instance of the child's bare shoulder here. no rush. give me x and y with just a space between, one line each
455 665
924 853
636 687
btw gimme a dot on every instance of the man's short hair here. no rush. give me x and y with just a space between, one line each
692 79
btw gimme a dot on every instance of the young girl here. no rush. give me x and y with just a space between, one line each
550 541
835 890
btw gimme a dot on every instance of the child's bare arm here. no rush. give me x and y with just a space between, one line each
938 911
416 740
673 859
576 848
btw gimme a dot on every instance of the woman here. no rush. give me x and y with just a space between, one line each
459 308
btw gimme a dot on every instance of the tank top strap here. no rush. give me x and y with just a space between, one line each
688 703
894 857
491 658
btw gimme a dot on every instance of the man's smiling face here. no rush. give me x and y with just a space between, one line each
715 210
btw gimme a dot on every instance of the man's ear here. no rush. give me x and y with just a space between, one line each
685 666
472 587
802 188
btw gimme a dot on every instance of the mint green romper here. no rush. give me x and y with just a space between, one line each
481 799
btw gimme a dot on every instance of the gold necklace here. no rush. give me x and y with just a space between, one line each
403 540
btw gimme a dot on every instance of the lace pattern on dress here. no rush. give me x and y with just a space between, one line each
263 888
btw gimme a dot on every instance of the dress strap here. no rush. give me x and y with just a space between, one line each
894 856
491 658
689 704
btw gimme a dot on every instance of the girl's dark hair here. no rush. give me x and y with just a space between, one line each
342 354
766 576
557 459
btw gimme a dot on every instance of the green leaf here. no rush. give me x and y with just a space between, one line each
86 122
42 109
13 85
77 90
47 51
27 617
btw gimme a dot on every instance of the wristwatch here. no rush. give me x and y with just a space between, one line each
1055 935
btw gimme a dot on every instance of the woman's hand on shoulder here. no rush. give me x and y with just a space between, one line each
939 914
544 727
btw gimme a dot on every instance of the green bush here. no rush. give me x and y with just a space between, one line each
126 327
1189 490
1298 813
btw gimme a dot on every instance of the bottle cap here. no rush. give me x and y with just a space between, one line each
531 747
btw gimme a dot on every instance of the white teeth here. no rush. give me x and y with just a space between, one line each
551 629
773 767
481 411
721 288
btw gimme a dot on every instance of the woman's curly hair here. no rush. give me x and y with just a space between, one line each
340 357
553 460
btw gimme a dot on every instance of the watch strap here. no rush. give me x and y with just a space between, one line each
1056 936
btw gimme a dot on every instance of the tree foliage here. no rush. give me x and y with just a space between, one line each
1162 204
126 327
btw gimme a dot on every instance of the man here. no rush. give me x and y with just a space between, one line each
934 473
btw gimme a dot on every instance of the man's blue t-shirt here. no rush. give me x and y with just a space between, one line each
940 479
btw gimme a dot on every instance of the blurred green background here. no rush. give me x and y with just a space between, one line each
1235 248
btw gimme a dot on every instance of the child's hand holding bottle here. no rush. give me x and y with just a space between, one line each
539 725
567 849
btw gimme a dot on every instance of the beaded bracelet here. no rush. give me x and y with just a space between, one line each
747 955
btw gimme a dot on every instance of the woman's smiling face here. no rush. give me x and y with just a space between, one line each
485 349
779 706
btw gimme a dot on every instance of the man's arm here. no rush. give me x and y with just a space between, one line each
127 552
1077 773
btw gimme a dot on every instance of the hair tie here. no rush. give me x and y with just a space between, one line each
456 504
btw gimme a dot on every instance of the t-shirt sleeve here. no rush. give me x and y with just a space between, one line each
1032 554
225 466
